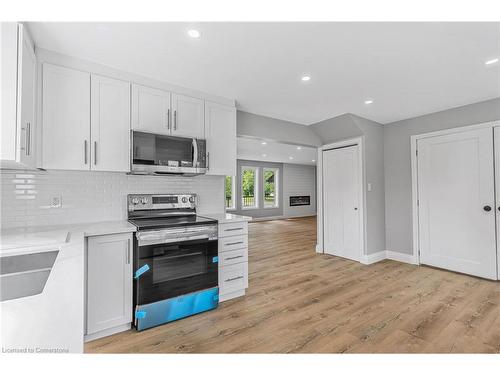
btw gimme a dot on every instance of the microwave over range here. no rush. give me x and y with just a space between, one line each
159 154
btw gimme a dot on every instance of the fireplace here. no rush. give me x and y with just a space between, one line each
300 200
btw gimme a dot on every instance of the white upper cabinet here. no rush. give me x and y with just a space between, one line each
150 110
188 116
18 75
220 131
66 118
110 124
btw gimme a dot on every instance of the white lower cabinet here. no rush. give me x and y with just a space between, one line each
108 285
233 260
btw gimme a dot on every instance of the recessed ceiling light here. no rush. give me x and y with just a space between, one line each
264 155
299 148
492 61
291 158
193 33
306 78
264 143
368 101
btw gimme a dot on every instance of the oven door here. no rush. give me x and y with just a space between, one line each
175 269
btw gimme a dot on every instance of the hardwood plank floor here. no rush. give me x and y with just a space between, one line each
302 302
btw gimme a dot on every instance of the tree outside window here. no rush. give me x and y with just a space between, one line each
270 188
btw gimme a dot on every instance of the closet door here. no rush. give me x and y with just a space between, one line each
457 202
496 135
341 191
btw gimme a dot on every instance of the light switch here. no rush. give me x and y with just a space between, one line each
369 186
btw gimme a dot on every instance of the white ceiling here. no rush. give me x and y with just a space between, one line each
408 69
253 149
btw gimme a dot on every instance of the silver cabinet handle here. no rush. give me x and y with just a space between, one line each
175 120
28 138
85 150
95 152
208 160
232 229
168 119
234 278
236 257
234 243
128 251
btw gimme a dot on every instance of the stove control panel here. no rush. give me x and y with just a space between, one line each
161 201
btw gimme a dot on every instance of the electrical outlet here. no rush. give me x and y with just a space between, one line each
56 201
369 186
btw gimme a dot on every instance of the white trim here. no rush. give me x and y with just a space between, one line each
401 257
414 175
282 217
107 332
374 258
357 141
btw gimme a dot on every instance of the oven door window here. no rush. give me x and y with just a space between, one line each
179 264
176 269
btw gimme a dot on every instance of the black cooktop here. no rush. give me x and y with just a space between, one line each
169 222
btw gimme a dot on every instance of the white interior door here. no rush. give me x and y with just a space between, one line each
496 136
457 202
341 202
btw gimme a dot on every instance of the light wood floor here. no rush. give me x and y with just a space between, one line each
299 301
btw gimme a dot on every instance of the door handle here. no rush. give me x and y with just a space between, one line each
95 152
175 120
487 208
85 150
168 119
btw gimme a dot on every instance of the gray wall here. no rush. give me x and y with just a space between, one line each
350 126
251 125
259 212
299 180
397 165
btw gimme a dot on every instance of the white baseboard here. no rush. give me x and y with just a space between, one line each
373 258
319 249
392 255
401 257
269 218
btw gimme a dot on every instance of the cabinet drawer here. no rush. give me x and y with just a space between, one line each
233 243
232 257
233 278
233 229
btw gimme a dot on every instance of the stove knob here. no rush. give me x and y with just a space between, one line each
191 199
135 201
184 200
144 200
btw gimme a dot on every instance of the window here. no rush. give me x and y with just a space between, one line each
270 187
230 196
249 178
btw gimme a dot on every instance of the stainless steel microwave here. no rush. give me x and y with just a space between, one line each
160 154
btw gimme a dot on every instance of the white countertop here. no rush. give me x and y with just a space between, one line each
25 240
227 217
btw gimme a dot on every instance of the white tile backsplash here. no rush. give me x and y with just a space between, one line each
26 197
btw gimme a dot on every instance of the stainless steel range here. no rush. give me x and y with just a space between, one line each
175 258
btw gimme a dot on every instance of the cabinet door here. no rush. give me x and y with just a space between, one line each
109 281
150 110
110 124
220 130
188 118
66 118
